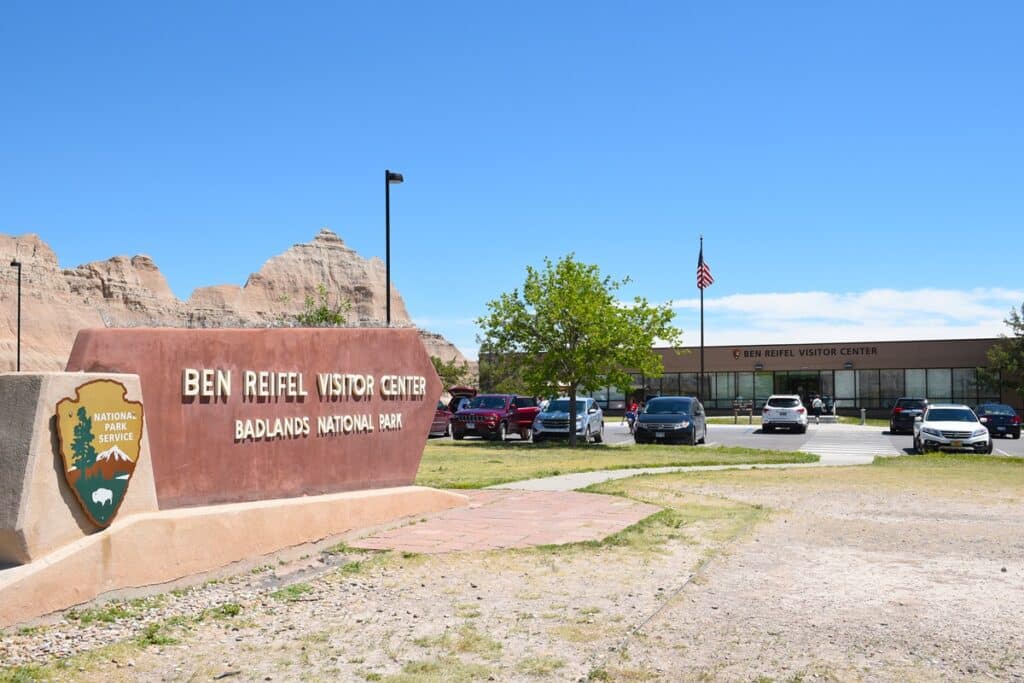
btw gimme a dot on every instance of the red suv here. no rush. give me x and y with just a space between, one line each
494 416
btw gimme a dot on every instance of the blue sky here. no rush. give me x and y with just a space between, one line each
829 152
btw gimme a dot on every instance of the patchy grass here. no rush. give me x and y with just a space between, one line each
973 477
461 464
468 640
292 593
441 670
156 634
541 665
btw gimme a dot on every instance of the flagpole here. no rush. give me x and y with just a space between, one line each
700 390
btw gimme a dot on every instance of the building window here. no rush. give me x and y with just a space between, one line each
763 383
745 385
688 383
867 389
940 385
846 388
891 382
670 384
916 385
965 386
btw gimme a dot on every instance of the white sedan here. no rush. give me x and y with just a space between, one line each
951 427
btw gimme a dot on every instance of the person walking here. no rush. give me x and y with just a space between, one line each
816 406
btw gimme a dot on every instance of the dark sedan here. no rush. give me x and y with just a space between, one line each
1000 419
672 419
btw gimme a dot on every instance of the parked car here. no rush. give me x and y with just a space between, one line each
553 421
441 426
672 419
1000 419
904 412
951 427
494 416
783 410
829 407
460 397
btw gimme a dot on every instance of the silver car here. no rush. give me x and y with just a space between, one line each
553 421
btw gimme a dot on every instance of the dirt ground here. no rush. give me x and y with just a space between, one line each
866 573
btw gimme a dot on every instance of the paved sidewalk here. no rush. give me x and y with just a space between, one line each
514 519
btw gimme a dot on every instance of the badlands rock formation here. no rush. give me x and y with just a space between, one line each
132 292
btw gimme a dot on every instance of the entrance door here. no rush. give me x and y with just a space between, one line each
804 384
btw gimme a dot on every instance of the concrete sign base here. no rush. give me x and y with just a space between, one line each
54 556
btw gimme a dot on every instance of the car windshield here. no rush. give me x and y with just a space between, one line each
783 402
667 406
950 415
562 406
441 405
487 402
910 403
996 410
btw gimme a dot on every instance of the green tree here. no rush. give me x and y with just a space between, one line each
450 372
567 331
1006 358
81 446
318 312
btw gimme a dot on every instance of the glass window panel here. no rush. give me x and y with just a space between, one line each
987 391
826 383
965 387
745 385
846 387
891 386
688 383
723 386
915 384
940 385
781 383
653 386
763 383
867 388
670 384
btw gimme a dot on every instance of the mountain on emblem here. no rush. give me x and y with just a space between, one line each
100 436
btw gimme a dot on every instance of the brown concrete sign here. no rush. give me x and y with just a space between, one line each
255 414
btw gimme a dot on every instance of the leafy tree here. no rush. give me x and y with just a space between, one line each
318 312
450 372
81 446
567 331
501 372
1006 359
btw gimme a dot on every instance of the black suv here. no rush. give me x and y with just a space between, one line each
904 412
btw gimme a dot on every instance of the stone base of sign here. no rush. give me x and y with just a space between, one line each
157 547
38 510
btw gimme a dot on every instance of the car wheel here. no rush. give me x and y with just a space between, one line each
803 429
599 437
526 434
766 429
448 429
502 431
704 436
537 438
458 436
692 439
988 451
587 438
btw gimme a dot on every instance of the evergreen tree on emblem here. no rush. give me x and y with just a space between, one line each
85 454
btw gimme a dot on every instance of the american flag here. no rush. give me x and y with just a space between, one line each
704 278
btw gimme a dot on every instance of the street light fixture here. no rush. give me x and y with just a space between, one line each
17 363
390 178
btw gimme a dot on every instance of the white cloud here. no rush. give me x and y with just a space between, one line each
872 315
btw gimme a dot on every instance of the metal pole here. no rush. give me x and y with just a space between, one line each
700 391
387 243
17 363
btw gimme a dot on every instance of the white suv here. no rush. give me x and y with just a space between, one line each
784 410
951 427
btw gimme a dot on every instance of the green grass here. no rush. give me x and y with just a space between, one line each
466 465
292 593
870 422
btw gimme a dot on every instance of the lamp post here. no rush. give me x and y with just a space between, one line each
389 178
17 363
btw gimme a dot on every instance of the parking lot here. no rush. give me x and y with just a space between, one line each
835 443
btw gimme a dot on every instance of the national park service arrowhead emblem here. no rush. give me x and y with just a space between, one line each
100 437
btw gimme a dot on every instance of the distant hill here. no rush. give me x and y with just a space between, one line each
131 292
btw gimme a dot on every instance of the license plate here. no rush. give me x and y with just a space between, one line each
957 444
470 425
784 413
659 435
1002 429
